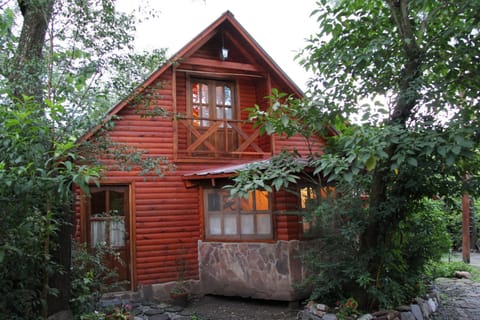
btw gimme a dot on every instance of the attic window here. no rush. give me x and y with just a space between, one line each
211 100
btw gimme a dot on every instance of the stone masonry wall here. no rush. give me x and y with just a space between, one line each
257 270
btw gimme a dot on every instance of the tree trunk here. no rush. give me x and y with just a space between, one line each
377 233
466 228
26 75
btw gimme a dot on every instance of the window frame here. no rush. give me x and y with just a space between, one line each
211 103
108 218
321 193
236 212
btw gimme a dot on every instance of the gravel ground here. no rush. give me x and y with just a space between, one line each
222 308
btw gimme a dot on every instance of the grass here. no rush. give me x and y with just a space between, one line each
446 269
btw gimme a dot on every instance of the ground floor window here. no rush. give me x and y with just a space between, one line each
237 218
108 208
310 199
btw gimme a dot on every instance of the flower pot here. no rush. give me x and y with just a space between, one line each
179 299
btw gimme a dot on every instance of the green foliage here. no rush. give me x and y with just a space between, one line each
347 308
416 138
454 225
74 78
36 179
335 259
279 172
91 278
24 262
446 269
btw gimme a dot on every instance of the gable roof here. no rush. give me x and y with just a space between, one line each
226 19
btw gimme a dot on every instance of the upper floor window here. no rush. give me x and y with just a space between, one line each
237 218
211 100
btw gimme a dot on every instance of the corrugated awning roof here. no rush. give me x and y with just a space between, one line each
220 172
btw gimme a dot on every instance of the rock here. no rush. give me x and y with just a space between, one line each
319 313
172 308
386 315
306 315
403 308
329 316
433 305
462 275
154 311
62 315
163 316
416 311
105 303
407 316
321 307
367 316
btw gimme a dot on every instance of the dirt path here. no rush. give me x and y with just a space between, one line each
460 299
222 308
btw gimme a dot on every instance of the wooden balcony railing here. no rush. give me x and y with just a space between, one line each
206 137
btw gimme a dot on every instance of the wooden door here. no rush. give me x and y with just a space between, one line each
108 224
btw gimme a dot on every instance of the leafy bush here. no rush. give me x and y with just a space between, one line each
334 259
444 269
91 277
454 216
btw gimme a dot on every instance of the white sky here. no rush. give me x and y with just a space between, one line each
279 26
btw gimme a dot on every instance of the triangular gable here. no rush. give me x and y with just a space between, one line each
189 49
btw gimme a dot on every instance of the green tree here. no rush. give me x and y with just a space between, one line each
418 62
60 63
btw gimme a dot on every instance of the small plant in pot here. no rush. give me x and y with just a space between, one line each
179 293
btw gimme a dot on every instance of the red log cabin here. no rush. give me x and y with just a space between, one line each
184 225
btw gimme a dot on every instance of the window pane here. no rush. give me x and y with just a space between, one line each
228 96
204 93
247 223
117 233
213 201
228 113
215 225
230 223
262 199
219 94
264 224
247 204
117 203
219 112
195 92
98 203
229 204
196 115
205 114
98 234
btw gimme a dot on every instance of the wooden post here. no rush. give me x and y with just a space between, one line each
466 228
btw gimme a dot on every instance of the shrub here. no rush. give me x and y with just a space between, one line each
444 269
334 258
91 277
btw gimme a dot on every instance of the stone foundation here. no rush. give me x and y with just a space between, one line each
256 270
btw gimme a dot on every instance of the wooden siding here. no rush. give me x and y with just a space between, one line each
288 226
298 143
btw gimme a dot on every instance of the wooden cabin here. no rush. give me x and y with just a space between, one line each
184 226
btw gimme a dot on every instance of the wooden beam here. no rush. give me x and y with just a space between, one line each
466 228
222 64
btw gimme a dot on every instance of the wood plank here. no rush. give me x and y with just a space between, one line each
219 64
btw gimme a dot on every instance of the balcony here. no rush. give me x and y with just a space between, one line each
219 138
